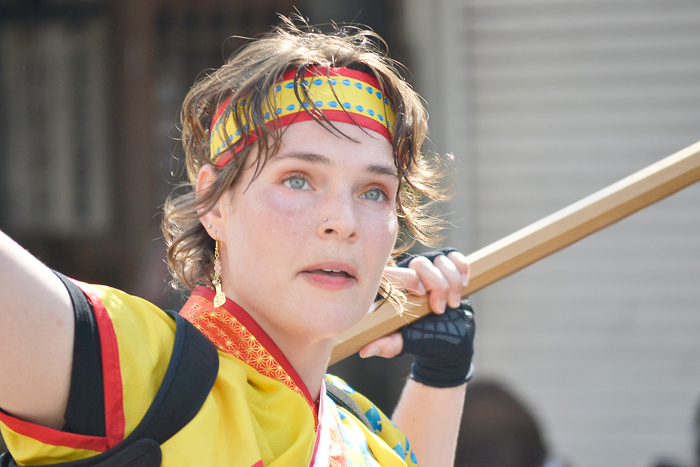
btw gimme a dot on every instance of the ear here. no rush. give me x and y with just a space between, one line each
212 219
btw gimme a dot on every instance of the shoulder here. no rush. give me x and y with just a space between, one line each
135 340
136 336
378 421
140 333
125 310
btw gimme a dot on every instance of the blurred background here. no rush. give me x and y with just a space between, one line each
590 357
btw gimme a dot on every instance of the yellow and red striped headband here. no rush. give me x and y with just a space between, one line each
341 94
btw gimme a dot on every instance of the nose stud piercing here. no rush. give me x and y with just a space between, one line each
325 219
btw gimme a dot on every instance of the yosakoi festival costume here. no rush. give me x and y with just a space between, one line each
136 397
257 413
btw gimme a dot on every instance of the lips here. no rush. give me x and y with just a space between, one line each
331 272
332 275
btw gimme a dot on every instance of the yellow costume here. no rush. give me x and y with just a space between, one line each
259 413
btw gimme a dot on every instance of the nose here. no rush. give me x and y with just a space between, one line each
339 219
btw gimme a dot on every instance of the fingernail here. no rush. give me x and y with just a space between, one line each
371 352
456 300
421 289
443 305
465 280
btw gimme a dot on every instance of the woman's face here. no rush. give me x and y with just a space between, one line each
295 272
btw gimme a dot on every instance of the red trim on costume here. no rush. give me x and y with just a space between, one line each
258 464
200 310
114 406
318 425
46 435
111 371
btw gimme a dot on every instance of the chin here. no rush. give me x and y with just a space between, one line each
332 320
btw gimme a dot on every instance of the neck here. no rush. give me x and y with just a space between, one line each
307 351
309 359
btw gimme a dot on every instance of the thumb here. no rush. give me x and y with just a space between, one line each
387 347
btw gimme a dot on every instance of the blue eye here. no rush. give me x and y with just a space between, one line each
374 194
296 182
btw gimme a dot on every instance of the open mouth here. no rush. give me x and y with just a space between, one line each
333 276
331 273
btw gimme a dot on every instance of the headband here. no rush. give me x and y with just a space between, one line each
340 94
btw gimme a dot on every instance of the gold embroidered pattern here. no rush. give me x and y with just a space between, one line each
231 337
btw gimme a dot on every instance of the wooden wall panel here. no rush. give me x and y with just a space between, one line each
545 102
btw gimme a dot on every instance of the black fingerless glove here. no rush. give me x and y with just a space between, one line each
431 255
443 346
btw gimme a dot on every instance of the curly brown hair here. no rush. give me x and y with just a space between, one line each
249 74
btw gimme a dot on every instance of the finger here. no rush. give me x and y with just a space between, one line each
454 279
434 282
387 347
462 265
405 279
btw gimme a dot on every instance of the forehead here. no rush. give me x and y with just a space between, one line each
343 140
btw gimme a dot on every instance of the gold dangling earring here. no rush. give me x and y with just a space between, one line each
219 298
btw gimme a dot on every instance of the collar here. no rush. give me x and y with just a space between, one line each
235 332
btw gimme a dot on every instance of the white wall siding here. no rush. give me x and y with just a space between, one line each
558 100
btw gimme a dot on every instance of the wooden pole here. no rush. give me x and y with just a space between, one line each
541 239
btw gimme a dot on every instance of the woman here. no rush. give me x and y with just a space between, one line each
304 156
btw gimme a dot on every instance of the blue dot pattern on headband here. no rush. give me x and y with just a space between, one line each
326 94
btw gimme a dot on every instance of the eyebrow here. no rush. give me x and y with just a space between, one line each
382 170
306 156
315 158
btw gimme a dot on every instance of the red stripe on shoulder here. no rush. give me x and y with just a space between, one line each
114 406
53 437
111 371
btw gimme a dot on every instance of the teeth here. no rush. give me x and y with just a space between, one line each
332 270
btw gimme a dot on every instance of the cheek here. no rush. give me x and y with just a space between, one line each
393 226
381 233
278 219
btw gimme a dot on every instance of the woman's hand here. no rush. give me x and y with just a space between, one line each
442 279
430 408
